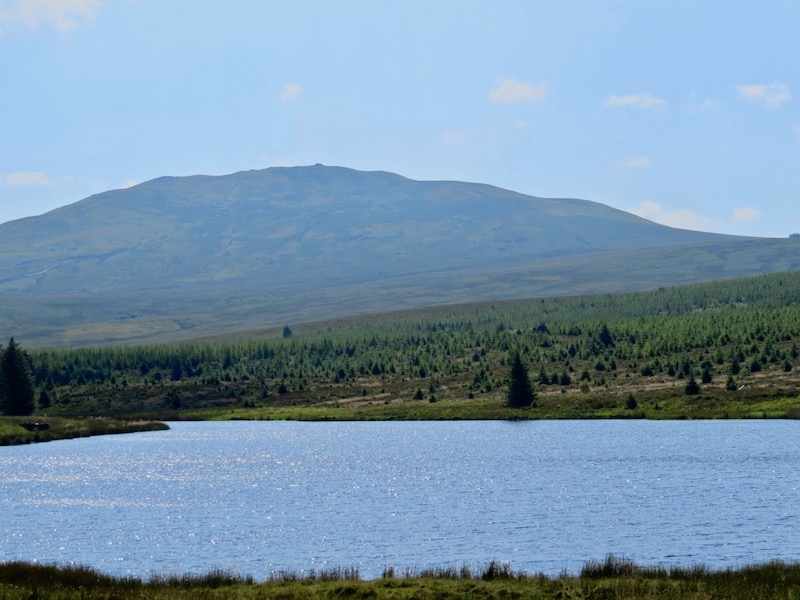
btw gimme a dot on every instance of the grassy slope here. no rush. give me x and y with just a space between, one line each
176 258
168 315
463 351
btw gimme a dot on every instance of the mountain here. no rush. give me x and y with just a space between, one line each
178 257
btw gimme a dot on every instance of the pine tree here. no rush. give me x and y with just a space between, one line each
16 385
520 390
605 337
692 387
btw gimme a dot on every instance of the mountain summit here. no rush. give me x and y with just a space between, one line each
182 256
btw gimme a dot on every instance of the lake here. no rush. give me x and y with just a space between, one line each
261 497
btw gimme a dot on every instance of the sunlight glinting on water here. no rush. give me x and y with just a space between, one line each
544 496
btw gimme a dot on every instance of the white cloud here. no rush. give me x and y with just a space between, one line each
511 91
65 15
292 92
129 184
771 95
635 162
642 100
28 179
681 218
746 214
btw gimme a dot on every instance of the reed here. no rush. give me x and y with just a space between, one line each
610 578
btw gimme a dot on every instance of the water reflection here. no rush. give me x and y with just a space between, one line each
261 497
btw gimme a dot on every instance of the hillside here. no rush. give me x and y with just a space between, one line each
587 355
178 257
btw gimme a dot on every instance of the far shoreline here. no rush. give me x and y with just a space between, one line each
16 431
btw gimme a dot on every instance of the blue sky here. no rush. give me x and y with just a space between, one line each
682 111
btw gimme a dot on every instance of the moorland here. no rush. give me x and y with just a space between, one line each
176 258
726 349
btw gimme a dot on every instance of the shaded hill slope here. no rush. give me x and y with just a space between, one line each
177 257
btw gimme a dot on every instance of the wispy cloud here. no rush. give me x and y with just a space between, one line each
642 100
65 15
28 179
635 162
292 92
746 214
770 95
511 91
681 218
454 136
697 106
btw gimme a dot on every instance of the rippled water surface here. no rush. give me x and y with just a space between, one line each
268 496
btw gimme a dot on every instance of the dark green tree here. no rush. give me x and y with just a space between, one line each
520 390
692 387
605 337
44 399
544 378
16 384
287 332
177 369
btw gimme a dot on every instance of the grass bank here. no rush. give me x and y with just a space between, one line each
612 578
28 430
656 404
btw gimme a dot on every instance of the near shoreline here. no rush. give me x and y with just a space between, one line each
612 578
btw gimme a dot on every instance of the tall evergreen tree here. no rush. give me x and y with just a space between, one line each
520 390
605 337
16 385
692 387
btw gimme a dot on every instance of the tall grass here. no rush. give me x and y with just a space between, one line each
612 577
494 570
333 574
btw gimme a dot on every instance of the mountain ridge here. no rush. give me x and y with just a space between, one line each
325 240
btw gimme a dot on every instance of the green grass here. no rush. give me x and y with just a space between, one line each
612 578
402 411
12 432
711 403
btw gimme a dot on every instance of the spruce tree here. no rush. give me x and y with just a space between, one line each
16 385
692 387
520 390
605 337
